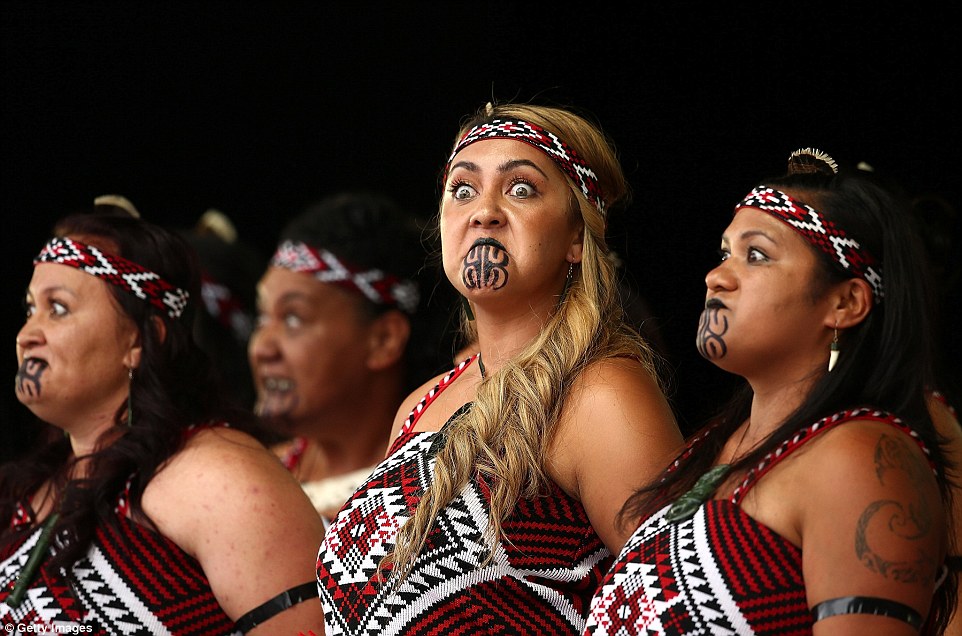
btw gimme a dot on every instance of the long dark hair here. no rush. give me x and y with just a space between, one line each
886 360
174 388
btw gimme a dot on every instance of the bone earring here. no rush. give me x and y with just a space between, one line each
833 352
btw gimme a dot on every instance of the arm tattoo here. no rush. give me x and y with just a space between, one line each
905 520
711 330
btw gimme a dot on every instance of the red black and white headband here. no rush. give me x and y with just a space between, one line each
820 232
116 270
547 142
376 285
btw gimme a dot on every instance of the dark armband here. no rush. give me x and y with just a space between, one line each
867 605
273 607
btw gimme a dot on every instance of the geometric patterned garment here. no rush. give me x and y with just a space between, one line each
131 581
718 572
540 580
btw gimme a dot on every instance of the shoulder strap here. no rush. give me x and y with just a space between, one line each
426 401
808 433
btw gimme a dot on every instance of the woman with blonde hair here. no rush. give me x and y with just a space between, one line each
496 505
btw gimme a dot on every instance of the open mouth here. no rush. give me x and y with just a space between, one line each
277 398
278 385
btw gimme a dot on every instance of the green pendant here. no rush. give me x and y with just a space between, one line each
686 505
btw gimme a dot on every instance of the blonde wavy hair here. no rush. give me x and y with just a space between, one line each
505 436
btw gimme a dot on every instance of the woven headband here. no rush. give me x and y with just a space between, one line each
547 142
375 285
820 232
116 270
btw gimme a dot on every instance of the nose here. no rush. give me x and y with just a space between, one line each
720 278
28 337
262 346
488 212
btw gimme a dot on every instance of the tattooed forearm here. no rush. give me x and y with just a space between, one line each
711 331
485 265
901 523
28 377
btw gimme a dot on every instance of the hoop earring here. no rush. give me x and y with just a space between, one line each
833 351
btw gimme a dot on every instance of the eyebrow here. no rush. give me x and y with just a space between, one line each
504 167
51 289
747 234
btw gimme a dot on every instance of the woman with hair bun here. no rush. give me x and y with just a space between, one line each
816 501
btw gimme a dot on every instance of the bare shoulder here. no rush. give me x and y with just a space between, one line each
883 533
228 501
852 448
620 392
617 432
221 474
443 405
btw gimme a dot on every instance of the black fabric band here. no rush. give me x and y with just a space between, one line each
867 605
276 605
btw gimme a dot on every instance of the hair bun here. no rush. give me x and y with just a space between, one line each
811 161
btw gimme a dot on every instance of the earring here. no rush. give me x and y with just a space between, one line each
130 412
833 352
564 292
466 304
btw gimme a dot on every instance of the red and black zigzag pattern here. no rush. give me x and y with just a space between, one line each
719 572
539 580
132 581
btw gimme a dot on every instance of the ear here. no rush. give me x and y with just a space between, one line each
576 249
134 351
387 338
851 301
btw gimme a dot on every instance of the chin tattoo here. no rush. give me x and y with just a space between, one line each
28 378
711 334
485 266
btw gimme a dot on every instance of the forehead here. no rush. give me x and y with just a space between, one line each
752 220
49 276
280 284
494 152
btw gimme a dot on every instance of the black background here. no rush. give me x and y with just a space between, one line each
259 108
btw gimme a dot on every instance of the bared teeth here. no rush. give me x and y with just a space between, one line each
278 384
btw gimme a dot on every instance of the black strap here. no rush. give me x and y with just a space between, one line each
276 605
867 605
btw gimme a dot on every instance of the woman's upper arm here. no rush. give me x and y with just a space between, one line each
618 432
871 524
248 523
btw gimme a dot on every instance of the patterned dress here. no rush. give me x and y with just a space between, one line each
540 579
718 572
131 581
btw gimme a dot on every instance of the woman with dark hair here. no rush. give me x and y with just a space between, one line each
816 501
154 512
342 336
